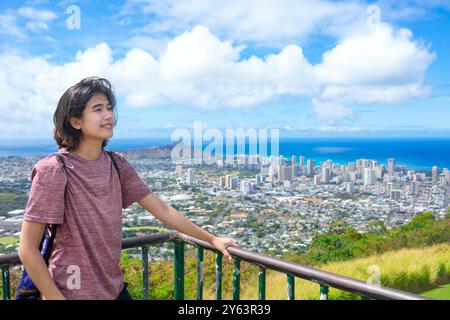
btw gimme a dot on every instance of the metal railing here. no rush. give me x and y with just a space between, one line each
292 270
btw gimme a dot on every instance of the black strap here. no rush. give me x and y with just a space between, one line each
110 154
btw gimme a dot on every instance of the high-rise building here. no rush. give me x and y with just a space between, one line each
310 167
434 174
294 166
389 187
379 172
351 167
229 181
379 189
247 187
349 187
369 177
302 161
414 188
280 164
326 175
395 194
223 182
286 174
234 182
446 174
316 179
391 166
179 169
259 178
189 177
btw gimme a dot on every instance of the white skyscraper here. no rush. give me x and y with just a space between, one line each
446 174
369 177
189 177
302 161
389 187
434 174
349 187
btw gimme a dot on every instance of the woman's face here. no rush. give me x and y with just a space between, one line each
97 120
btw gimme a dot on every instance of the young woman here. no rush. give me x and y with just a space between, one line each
85 199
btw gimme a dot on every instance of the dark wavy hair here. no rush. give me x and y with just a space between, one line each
72 104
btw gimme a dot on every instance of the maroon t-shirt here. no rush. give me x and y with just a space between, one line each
85 258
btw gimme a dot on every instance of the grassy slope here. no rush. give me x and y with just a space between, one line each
413 270
440 293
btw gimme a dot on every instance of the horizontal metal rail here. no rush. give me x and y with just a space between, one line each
323 278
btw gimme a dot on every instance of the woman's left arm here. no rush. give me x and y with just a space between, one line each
175 220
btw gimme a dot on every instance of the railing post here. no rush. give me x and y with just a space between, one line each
219 276
6 283
236 279
291 287
323 292
200 273
179 270
145 271
262 283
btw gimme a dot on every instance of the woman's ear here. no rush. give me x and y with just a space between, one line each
75 122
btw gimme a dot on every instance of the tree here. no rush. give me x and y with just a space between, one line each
377 228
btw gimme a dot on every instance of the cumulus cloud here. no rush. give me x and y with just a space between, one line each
331 113
197 68
253 20
9 25
39 18
380 58
380 66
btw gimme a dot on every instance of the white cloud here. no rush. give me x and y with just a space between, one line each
332 113
39 18
36 14
197 68
36 26
376 94
268 22
380 66
381 56
8 26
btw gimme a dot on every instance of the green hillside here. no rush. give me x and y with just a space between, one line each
414 257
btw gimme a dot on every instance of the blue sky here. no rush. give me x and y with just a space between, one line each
309 68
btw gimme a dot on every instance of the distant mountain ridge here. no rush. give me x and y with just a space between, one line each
150 152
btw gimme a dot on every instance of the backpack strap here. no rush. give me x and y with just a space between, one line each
110 154
50 234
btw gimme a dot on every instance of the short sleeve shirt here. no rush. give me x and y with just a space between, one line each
85 258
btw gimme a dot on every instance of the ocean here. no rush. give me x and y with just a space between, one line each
414 153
